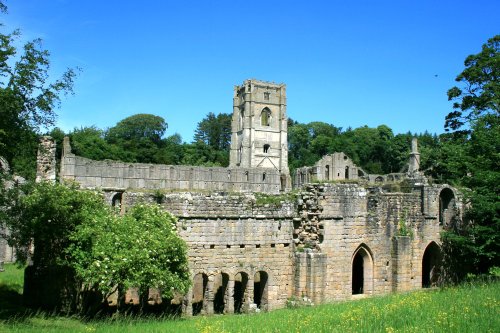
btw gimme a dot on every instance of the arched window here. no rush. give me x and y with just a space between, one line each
265 117
240 154
447 207
240 122
266 148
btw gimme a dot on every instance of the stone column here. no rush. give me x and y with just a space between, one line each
209 296
3 248
414 165
230 297
249 294
401 263
46 160
187 306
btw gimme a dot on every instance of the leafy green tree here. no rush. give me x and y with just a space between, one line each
140 249
172 150
89 142
28 99
480 87
214 131
471 158
138 127
139 136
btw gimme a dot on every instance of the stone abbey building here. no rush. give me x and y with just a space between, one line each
254 242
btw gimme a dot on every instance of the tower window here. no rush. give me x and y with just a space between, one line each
266 148
265 117
266 96
264 176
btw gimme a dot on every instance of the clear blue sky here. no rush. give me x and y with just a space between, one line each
348 63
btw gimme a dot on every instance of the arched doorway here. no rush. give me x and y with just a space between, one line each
260 289
116 201
431 264
362 271
446 207
200 285
240 291
220 292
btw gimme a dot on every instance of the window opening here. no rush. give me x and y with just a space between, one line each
265 117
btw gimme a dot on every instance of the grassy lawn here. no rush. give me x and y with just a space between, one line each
468 308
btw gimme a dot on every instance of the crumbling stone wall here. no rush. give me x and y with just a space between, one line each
119 175
46 160
333 241
338 221
229 234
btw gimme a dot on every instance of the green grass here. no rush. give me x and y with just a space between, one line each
467 308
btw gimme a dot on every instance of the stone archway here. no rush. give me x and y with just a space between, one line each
260 287
220 292
431 265
200 286
240 291
362 271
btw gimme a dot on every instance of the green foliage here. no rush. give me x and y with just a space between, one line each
47 216
28 99
214 131
262 199
136 138
471 159
480 92
140 249
403 228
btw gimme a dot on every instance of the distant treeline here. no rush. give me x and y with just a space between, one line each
141 138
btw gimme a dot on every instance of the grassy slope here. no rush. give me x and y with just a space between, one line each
469 308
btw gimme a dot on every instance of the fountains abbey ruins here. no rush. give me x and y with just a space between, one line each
259 236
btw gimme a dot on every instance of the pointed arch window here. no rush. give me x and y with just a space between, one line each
265 117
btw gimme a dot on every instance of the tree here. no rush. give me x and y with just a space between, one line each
140 249
480 92
212 139
472 160
89 142
81 245
28 99
138 127
138 137
214 131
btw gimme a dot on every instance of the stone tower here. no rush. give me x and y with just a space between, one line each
259 126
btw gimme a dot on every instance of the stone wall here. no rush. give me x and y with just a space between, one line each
232 235
121 176
387 231
326 242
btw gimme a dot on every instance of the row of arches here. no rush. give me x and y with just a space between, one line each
222 293
362 268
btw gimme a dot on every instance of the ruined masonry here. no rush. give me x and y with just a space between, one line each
341 234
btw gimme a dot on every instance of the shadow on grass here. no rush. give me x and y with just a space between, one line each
11 304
